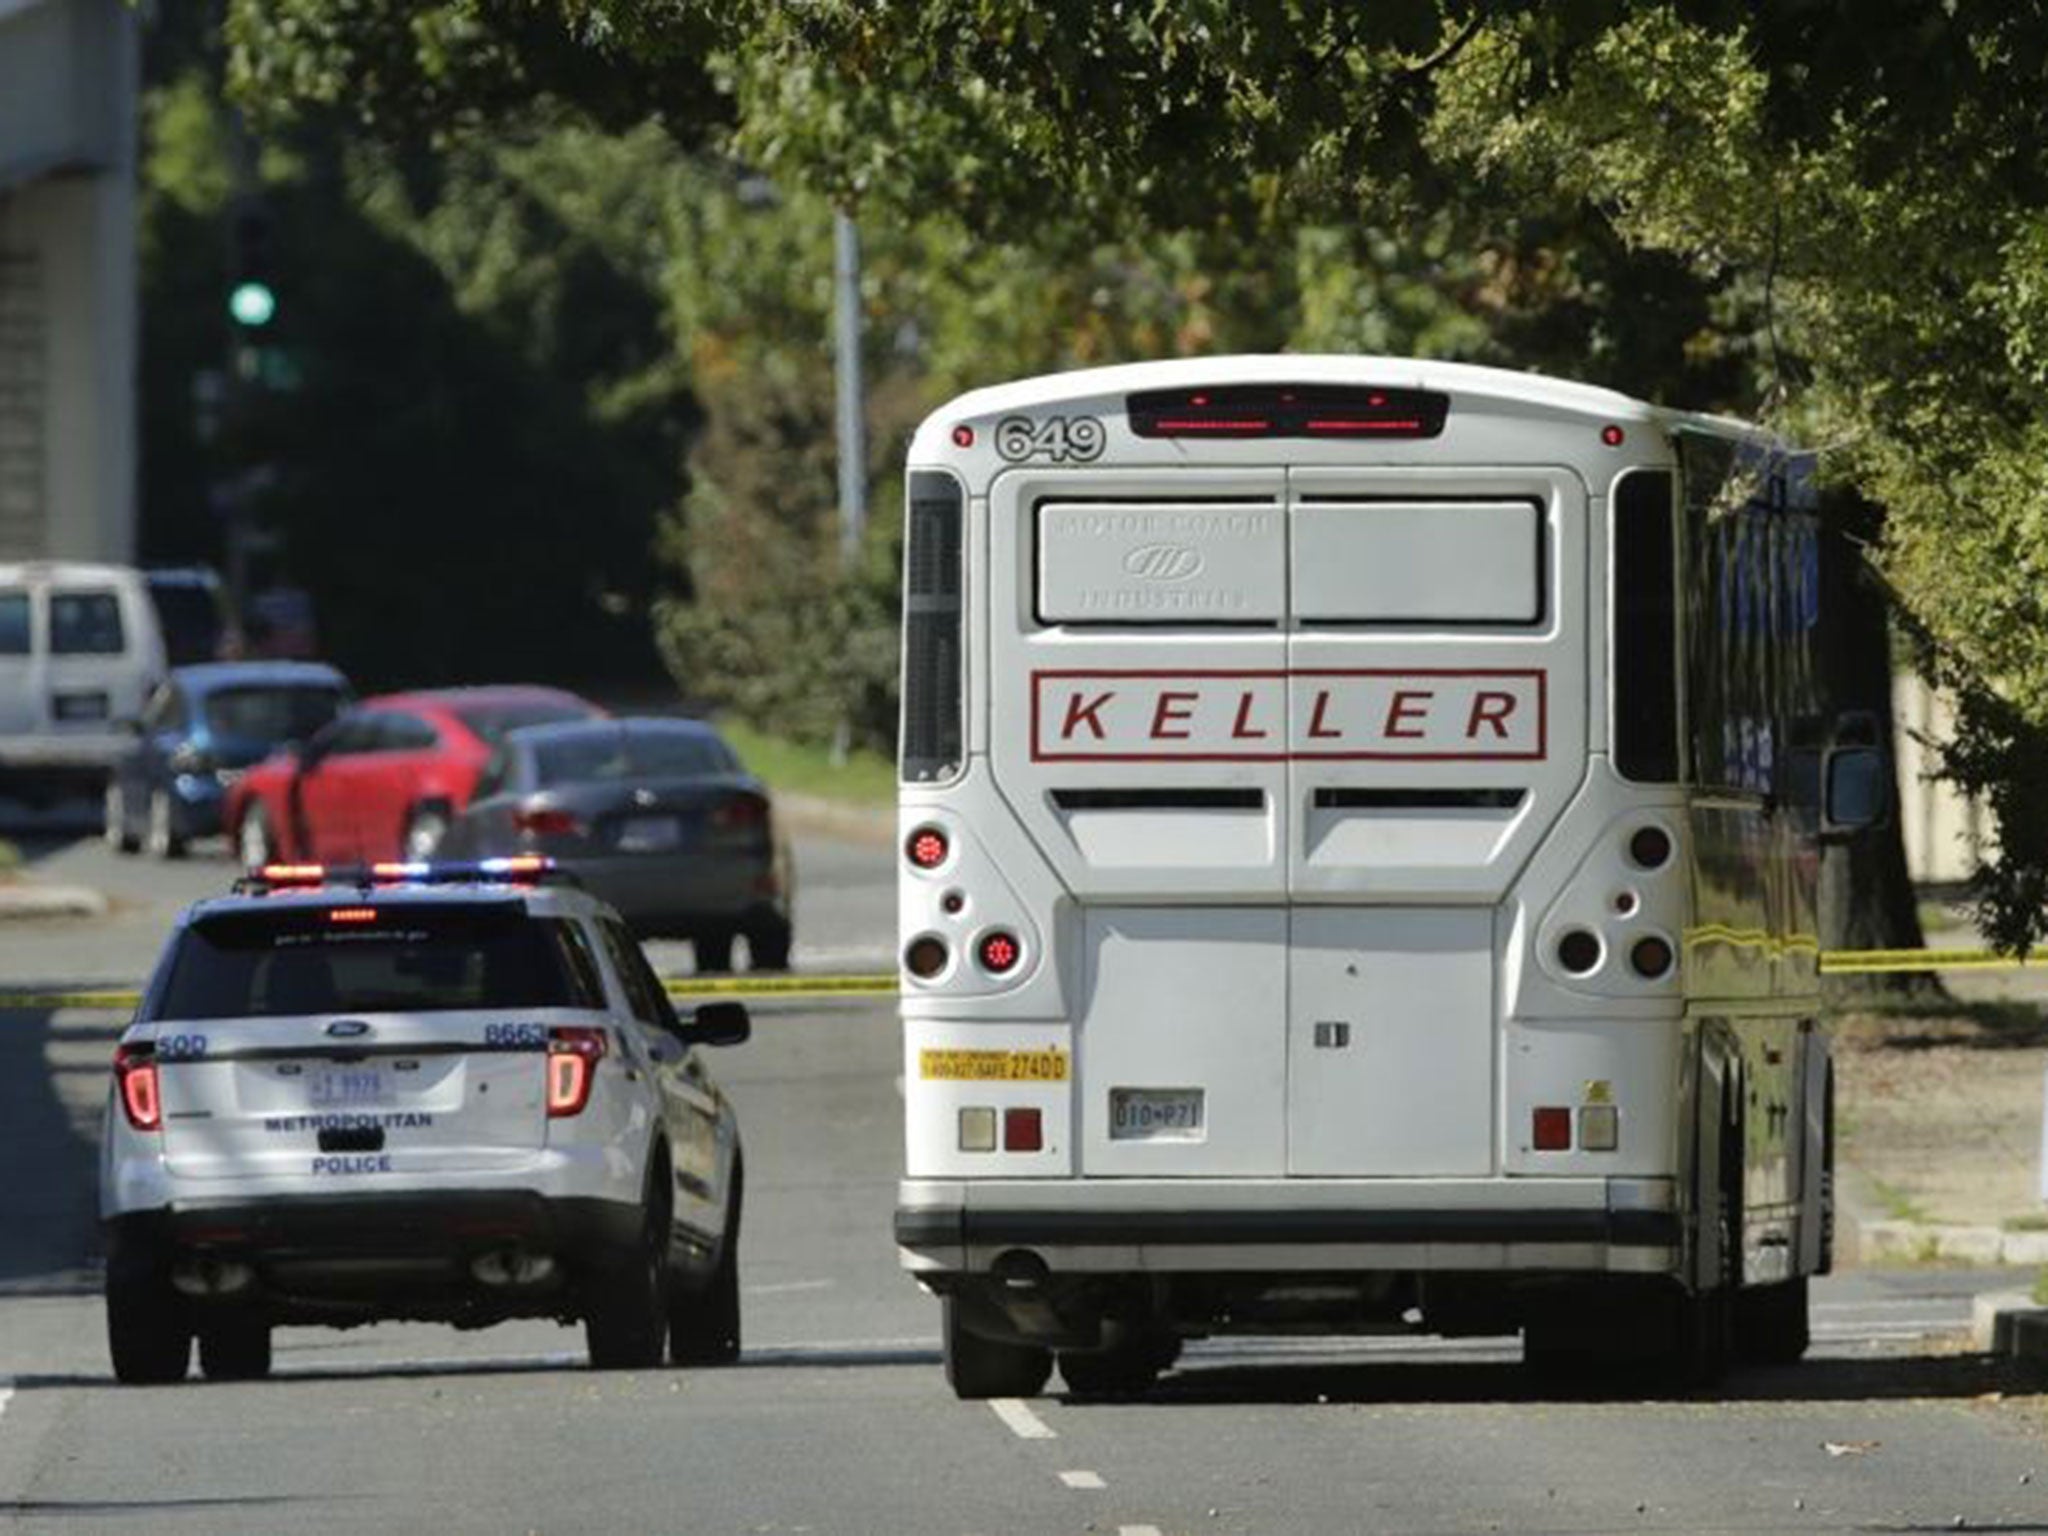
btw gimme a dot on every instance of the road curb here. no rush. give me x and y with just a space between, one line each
23 901
1928 1242
2011 1324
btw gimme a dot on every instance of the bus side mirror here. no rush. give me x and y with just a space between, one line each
1855 792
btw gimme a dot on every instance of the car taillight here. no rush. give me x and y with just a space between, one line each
741 811
135 1076
573 1054
546 821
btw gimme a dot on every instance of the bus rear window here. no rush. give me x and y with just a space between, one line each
401 958
1418 562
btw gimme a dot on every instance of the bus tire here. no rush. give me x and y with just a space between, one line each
1771 1326
979 1368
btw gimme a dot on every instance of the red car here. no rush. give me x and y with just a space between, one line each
383 780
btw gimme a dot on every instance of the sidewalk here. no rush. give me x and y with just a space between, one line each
1938 1113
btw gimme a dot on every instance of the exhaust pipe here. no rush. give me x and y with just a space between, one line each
512 1266
208 1276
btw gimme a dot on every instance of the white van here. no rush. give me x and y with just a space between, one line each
80 649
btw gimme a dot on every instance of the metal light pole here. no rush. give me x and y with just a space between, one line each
853 455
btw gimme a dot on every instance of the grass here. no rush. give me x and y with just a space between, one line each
1898 1205
2031 1221
864 778
2041 1289
10 860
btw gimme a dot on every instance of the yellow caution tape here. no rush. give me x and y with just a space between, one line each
784 986
778 986
797 988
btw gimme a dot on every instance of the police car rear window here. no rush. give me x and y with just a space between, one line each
366 958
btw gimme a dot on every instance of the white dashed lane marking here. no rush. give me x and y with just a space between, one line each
1022 1422
1083 1480
784 1287
1137 1530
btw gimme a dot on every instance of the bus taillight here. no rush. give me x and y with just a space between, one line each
999 952
927 848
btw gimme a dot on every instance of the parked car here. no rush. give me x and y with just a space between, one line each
383 780
80 649
200 730
658 817
192 612
462 1097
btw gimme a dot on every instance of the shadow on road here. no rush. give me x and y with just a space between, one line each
49 1198
1814 1381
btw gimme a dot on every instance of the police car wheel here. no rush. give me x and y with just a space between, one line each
704 1326
149 1329
625 1307
979 1368
235 1349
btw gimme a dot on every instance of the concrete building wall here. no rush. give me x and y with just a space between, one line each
1945 834
69 79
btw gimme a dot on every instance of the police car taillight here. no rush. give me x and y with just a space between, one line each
573 1054
135 1076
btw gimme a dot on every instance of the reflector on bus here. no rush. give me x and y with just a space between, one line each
1288 410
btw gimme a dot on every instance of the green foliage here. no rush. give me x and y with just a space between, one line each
480 412
1829 214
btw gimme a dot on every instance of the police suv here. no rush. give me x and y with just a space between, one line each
439 1092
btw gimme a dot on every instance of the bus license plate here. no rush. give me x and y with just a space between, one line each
1155 1114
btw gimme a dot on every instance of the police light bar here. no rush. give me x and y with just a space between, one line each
1288 410
521 869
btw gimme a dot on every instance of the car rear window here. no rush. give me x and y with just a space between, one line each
490 722
397 958
616 754
268 712
85 624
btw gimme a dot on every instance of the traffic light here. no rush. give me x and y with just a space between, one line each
252 302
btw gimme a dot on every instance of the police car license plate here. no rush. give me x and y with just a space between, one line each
344 1087
649 834
1155 1114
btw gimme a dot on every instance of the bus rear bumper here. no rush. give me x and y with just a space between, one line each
1130 1226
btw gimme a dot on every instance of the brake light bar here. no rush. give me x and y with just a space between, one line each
1288 410
135 1077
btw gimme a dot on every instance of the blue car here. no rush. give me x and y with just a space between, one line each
201 727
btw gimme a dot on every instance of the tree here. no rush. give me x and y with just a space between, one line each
1846 200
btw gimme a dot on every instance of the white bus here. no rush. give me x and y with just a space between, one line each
1359 829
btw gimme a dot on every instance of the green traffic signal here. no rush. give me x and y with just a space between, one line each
252 304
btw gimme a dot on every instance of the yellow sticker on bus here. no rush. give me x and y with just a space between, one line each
1049 1066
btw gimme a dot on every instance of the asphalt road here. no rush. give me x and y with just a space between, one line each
837 1419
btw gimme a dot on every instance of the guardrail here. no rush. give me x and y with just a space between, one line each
800 988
